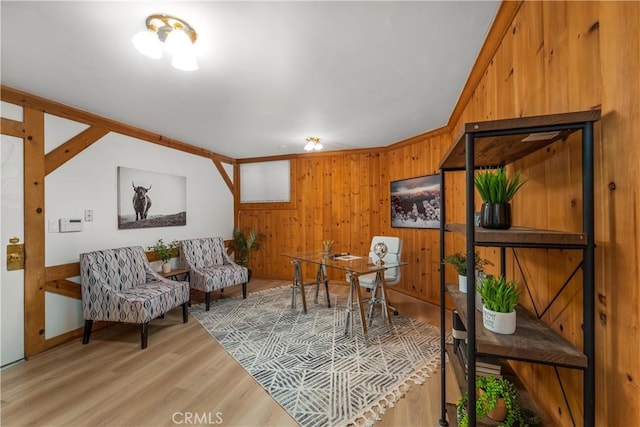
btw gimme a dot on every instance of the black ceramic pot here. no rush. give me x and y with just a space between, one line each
495 215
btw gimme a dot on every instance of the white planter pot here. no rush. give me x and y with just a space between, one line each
166 267
462 283
500 323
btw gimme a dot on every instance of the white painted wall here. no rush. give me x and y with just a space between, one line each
12 283
89 181
12 221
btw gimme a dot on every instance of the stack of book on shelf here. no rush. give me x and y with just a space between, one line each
485 365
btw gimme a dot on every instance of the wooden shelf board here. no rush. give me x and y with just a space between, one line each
521 236
533 340
452 416
492 150
507 372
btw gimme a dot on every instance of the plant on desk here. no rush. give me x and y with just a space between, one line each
165 251
498 399
326 245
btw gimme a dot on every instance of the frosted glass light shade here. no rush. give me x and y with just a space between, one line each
178 42
313 144
184 61
148 44
310 146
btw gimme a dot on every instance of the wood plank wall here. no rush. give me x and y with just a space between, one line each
553 57
344 196
569 56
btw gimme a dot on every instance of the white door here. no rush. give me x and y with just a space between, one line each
12 219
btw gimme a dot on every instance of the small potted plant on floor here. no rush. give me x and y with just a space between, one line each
242 245
496 191
165 251
459 262
498 399
499 299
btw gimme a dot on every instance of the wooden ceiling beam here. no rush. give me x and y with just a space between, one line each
15 96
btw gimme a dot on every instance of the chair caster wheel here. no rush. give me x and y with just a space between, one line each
395 313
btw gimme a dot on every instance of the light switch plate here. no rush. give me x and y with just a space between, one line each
88 215
53 226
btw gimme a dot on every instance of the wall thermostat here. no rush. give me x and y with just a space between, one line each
68 225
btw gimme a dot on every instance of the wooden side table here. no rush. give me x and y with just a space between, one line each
173 275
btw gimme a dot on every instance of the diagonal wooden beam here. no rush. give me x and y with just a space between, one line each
12 127
60 155
224 175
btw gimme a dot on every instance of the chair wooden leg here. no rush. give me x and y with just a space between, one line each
144 334
244 291
185 312
88 324
207 300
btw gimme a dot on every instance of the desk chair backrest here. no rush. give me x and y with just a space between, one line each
394 252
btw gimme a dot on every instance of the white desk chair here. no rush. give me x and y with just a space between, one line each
391 275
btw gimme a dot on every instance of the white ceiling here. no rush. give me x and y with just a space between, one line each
355 74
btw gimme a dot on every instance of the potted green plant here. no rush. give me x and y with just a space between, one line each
499 298
496 191
165 251
498 399
242 245
459 262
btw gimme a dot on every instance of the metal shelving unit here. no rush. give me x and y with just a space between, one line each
498 143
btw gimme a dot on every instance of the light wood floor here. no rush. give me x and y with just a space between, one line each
111 382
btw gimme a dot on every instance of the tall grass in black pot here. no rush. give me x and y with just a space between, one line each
496 190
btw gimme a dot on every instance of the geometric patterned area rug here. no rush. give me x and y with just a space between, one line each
319 375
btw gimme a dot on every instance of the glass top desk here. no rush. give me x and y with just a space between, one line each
354 266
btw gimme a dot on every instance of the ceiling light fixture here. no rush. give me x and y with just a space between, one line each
313 143
177 36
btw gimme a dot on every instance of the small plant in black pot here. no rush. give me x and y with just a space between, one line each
496 190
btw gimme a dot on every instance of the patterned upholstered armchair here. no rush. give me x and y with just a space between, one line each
211 268
119 285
